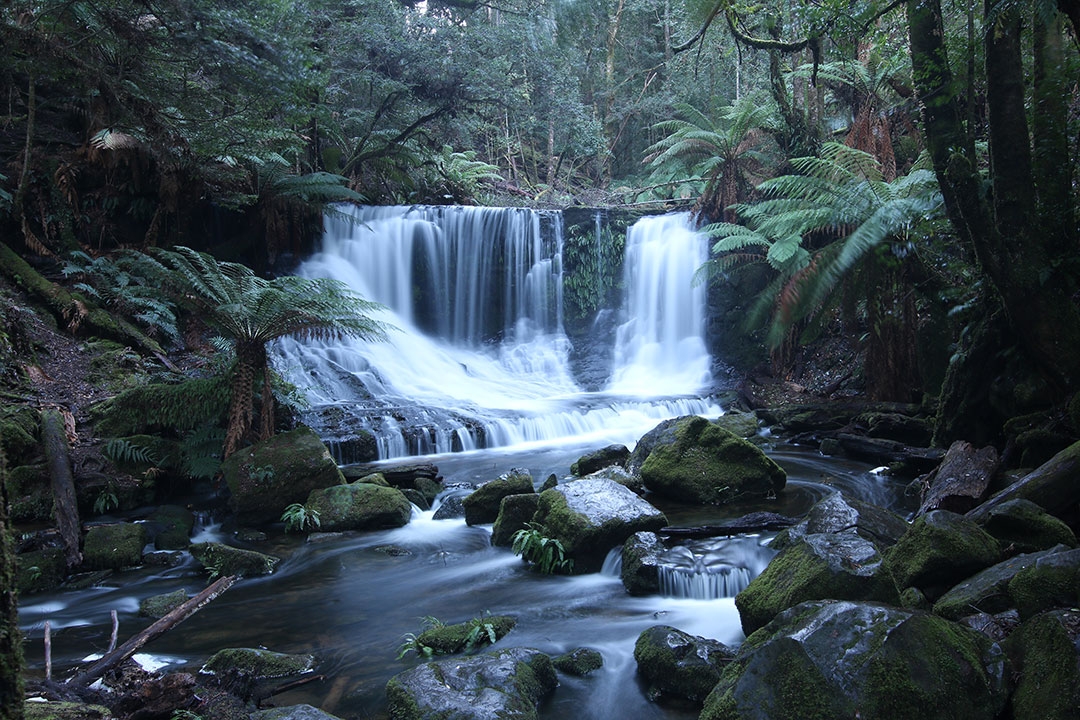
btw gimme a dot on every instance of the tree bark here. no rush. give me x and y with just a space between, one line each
65 506
11 657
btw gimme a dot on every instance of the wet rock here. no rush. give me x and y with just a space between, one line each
515 513
360 506
114 546
641 563
1053 580
501 684
987 591
1045 652
663 433
159 606
450 508
482 506
265 478
676 663
709 465
996 627
65 711
908 429
466 636
221 560
939 550
258 663
836 513
622 476
1023 526
602 458
591 516
839 659
579 662
170 527
743 424
837 566
293 712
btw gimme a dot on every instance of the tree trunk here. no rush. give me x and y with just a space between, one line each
11 657
65 506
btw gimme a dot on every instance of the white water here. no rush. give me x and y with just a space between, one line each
478 357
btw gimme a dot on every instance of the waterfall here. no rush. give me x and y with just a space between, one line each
709 569
660 347
477 357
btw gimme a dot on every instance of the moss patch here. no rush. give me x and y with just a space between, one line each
258 663
221 560
114 546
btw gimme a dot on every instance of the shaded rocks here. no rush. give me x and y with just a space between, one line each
482 506
602 458
1053 580
158 606
113 546
1022 526
703 463
676 663
501 684
169 527
466 636
360 506
423 478
939 550
220 560
986 591
1052 486
590 516
846 659
267 477
515 513
641 555
258 663
579 662
293 712
1045 652
836 513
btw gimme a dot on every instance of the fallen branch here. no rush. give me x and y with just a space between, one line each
169 621
752 522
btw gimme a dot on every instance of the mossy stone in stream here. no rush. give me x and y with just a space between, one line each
64 711
482 505
158 606
40 570
114 546
258 663
466 636
222 560
579 662
360 506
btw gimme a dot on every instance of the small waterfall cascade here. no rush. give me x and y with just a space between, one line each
660 347
705 570
477 357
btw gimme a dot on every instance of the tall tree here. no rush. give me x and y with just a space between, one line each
11 657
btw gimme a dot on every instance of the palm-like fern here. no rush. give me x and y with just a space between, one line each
840 195
729 154
251 311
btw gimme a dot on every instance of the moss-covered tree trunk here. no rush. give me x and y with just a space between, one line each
11 658
65 506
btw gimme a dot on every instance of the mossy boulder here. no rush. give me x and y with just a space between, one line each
825 660
641 563
709 465
113 546
1052 581
507 683
220 560
266 478
65 711
663 433
837 566
619 474
1022 526
602 458
29 492
170 527
939 550
293 712
467 636
1045 652
258 663
18 432
360 506
515 513
158 606
836 513
579 662
40 570
591 516
987 591
679 664
743 424
482 506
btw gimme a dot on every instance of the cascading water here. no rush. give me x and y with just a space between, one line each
719 568
477 357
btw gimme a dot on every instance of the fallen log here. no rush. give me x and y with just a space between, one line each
960 482
166 623
54 437
750 523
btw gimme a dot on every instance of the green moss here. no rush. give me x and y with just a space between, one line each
65 711
159 606
938 550
114 546
258 663
175 525
1044 652
360 506
482 505
30 494
1053 581
18 432
579 662
466 636
40 570
221 560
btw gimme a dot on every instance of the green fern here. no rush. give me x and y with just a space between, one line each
545 554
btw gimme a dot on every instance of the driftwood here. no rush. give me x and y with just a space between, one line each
54 437
961 480
752 522
166 623
1052 486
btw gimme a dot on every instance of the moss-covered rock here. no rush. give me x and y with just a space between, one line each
515 513
1045 652
602 458
505 683
641 562
482 506
258 663
170 527
592 516
709 465
19 432
836 513
266 478
579 662
939 550
678 664
987 591
293 712
34 710
743 424
159 606
825 660
1053 580
221 560
467 636
1022 526
114 546
837 566
40 570
360 506
30 494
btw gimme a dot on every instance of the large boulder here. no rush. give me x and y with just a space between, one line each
170 527
500 684
1023 526
835 513
360 506
709 465
825 660
837 566
678 664
602 458
1053 580
939 550
663 433
267 477
113 546
1045 652
986 591
482 506
591 516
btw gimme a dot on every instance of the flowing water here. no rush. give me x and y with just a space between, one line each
483 383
